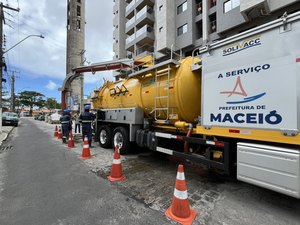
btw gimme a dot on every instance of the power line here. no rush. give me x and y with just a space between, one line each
2 64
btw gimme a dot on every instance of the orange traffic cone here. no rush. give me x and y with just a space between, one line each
56 132
180 210
116 169
59 135
71 141
86 154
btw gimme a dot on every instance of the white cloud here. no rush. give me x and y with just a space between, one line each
51 85
46 58
97 78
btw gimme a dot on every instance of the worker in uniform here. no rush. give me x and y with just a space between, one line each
66 124
86 118
77 122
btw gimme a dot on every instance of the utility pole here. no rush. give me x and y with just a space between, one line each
1 54
12 95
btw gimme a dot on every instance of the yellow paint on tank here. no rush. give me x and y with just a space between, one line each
183 90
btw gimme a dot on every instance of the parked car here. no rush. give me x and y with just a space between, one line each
10 119
41 118
37 116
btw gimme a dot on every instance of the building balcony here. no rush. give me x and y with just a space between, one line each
115 20
130 25
130 39
144 50
142 3
115 7
115 46
115 33
145 16
145 35
130 6
129 43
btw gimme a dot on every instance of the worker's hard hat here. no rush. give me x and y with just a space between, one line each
87 107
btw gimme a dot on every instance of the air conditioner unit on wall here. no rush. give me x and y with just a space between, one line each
254 8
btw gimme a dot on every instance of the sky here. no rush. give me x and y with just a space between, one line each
40 64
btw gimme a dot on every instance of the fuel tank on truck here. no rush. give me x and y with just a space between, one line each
173 90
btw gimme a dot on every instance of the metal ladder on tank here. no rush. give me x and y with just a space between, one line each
157 106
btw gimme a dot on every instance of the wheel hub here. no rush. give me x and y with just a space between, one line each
118 139
103 136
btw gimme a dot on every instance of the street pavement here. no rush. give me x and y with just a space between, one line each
42 183
150 179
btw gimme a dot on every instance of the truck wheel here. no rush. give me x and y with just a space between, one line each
121 138
105 135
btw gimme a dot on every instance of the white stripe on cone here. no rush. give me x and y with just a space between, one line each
117 161
180 194
86 146
180 176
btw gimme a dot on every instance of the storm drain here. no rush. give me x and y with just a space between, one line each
5 148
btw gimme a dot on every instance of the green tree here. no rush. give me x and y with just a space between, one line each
51 103
31 99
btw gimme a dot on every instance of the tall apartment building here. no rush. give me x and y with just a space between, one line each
75 50
145 26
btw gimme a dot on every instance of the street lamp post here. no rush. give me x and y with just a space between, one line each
32 35
2 64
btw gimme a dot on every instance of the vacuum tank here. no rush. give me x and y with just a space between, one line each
173 90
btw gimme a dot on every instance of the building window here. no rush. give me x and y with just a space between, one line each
79 1
212 3
160 8
181 30
78 25
181 8
199 8
78 10
230 4
213 23
160 29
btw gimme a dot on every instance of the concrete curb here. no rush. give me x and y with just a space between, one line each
6 135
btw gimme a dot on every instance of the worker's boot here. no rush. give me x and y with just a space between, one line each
90 144
64 139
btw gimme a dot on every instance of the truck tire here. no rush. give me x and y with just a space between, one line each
121 138
105 136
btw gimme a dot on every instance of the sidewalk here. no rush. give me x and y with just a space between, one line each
5 132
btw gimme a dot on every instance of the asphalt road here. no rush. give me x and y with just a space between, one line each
42 183
45 183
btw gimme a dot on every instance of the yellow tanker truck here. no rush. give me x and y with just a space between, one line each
235 107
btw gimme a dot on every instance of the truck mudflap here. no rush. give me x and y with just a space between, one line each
152 141
270 167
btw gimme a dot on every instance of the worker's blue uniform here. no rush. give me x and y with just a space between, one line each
66 125
86 118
